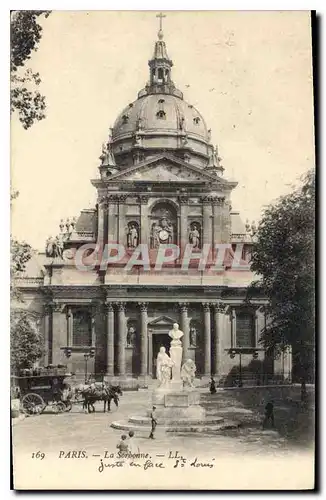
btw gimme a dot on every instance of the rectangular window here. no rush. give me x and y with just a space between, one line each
82 328
245 334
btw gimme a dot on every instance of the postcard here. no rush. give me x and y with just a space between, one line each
162 270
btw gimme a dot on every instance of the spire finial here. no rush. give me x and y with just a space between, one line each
160 33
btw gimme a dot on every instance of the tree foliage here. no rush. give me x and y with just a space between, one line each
26 34
25 337
284 259
25 341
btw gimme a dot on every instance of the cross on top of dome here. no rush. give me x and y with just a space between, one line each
160 32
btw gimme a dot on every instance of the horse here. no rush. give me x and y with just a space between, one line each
103 392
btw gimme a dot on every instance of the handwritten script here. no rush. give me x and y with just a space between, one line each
145 461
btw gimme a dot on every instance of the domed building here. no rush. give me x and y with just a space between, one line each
161 246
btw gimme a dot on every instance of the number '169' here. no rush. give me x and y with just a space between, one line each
38 454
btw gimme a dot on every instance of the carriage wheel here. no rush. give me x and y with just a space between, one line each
33 404
58 407
68 406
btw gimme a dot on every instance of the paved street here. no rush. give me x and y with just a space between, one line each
92 432
248 457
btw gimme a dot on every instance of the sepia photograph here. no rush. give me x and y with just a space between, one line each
162 274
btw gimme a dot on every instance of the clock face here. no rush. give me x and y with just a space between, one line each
163 235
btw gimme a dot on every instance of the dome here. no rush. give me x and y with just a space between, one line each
160 113
160 120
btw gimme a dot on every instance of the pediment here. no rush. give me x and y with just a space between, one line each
163 169
162 321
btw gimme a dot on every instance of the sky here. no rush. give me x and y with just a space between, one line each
93 63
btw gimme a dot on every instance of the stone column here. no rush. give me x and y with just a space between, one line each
59 332
143 200
185 328
183 200
207 339
121 338
110 338
257 327
122 237
69 326
233 319
112 230
101 223
226 222
47 335
207 226
217 221
93 311
218 326
143 339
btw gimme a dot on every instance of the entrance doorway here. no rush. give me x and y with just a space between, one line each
159 340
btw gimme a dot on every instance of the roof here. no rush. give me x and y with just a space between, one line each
34 266
86 222
146 110
237 224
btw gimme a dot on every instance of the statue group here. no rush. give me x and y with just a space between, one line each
54 247
161 233
167 366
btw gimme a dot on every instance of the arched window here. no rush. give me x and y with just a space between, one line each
82 327
125 119
245 329
160 74
161 115
196 120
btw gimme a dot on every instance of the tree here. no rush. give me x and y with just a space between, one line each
26 34
283 258
25 341
25 338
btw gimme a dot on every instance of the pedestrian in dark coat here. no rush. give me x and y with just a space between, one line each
212 386
269 415
153 423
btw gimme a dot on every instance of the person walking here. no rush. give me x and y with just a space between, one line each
153 423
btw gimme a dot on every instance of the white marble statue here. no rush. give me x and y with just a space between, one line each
188 373
163 367
176 352
175 335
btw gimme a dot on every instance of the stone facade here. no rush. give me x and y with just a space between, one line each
160 183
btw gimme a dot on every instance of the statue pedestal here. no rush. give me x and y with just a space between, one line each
174 404
176 356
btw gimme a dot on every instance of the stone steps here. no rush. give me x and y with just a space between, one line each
183 427
140 420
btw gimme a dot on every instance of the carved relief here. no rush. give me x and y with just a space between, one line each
165 172
163 225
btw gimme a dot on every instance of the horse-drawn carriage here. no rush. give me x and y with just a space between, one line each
44 387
